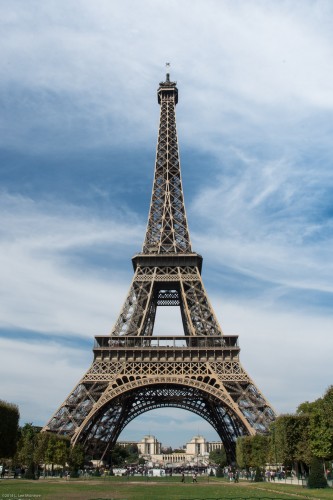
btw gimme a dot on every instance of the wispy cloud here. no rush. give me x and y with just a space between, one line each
286 354
41 374
256 63
57 272
270 220
77 94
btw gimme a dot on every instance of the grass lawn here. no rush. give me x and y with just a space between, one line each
152 489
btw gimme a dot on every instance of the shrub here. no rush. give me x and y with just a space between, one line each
258 475
30 472
219 472
316 476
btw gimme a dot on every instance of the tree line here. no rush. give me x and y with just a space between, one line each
302 441
27 448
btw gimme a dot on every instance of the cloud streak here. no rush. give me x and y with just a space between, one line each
41 373
45 285
78 130
257 63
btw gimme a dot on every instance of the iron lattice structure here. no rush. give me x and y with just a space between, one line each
135 371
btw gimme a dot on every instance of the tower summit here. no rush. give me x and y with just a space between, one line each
134 370
167 230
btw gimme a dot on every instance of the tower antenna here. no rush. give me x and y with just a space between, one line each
167 65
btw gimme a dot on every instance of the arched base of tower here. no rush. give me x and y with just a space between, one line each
102 431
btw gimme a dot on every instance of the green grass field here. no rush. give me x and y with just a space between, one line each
152 489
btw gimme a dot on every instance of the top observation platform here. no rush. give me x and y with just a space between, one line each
167 90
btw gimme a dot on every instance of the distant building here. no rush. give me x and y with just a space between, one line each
197 446
214 445
196 451
149 446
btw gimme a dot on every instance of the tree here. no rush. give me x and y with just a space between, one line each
218 457
49 454
219 471
75 459
132 449
27 448
252 451
9 418
260 450
43 440
243 452
62 451
37 447
132 453
320 414
321 426
119 455
316 476
51 449
303 453
289 439
258 477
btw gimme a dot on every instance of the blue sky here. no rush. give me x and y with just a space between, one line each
78 130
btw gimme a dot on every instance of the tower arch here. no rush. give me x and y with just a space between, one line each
140 397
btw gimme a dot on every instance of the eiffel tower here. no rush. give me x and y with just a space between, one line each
134 371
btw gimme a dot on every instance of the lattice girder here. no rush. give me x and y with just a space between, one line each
167 229
247 410
138 313
141 396
133 316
